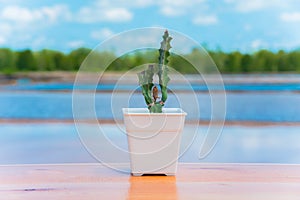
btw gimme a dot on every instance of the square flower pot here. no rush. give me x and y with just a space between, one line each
154 139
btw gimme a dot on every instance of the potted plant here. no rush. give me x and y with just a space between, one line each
154 133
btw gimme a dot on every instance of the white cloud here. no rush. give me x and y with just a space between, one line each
171 11
102 34
249 6
118 14
6 29
136 39
20 26
95 14
257 44
144 3
290 17
171 8
25 15
205 20
258 5
57 12
122 11
124 4
247 27
15 13
75 44
2 40
10 2
39 42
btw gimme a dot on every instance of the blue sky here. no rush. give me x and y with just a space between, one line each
221 24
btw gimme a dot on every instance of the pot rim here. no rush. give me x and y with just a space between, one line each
145 111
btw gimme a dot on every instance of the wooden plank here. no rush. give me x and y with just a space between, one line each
193 181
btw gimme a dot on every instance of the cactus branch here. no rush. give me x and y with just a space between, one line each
146 78
163 61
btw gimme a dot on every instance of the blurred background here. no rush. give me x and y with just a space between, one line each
255 45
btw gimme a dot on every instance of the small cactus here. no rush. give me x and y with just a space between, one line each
146 78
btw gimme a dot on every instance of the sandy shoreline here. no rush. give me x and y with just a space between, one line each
112 77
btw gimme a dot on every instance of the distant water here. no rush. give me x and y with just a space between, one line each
175 87
59 143
254 106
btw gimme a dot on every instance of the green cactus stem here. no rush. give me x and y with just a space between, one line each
146 78
163 61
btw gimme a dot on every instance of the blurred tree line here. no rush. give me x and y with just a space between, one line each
232 62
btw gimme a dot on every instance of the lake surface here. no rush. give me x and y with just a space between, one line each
252 106
24 143
174 87
60 143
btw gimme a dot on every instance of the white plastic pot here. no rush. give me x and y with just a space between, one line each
154 139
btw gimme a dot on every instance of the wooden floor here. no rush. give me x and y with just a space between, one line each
193 181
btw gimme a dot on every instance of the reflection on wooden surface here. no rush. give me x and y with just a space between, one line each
152 187
193 181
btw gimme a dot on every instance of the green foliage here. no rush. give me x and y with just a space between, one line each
219 58
293 60
7 61
76 57
146 82
164 79
246 63
262 61
45 60
232 62
156 108
146 77
180 64
25 61
133 59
